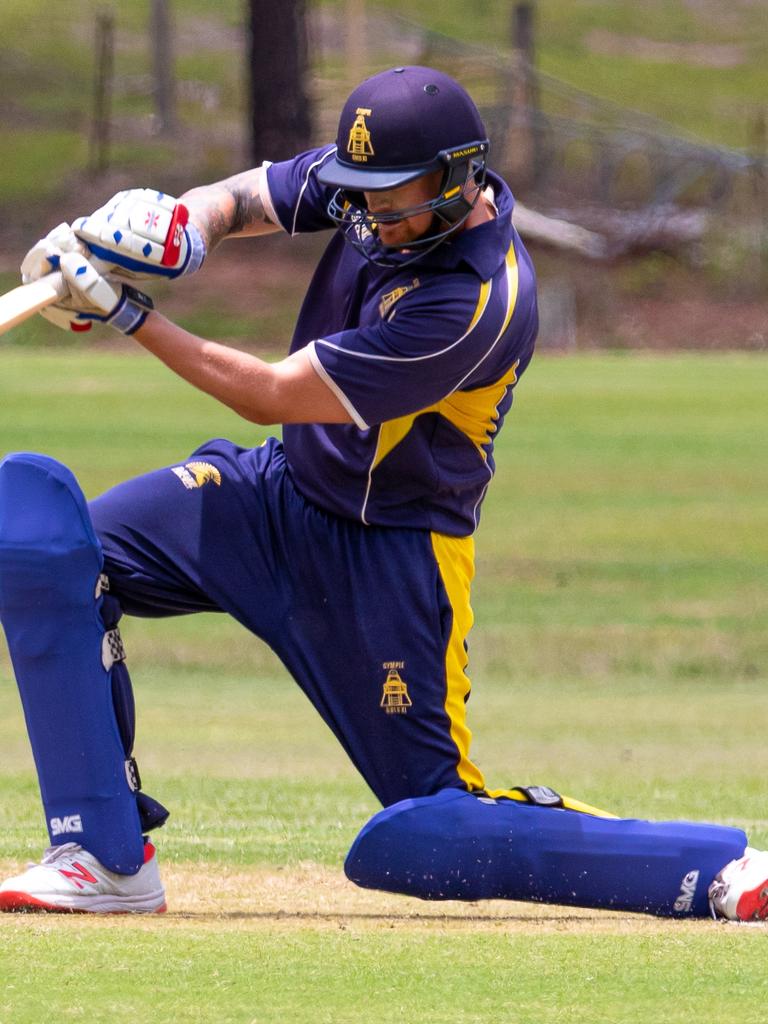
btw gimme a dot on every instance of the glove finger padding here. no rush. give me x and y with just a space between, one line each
145 233
44 255
91 296
91 293
94 296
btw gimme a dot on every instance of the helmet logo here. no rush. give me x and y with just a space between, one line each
359 144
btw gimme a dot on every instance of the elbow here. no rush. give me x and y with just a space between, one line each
257 416
261 420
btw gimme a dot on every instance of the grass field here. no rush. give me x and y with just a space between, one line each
619 654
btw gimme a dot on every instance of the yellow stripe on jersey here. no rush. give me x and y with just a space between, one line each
568 802
456 562
513 285
475 413
472 412
392 432
482 302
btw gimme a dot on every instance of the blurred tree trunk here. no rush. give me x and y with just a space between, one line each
522 138
354 50
103 86
278 57
161 34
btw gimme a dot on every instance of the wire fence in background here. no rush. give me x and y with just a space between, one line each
558 143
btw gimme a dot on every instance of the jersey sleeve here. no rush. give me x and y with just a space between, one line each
440 339
296 197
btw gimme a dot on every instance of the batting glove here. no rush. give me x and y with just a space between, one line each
43 257
97 298
144 233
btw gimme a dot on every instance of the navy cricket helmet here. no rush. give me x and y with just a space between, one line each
397 126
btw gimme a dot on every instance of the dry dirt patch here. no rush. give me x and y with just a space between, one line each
315 898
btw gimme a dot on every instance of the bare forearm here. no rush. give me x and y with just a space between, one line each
229 207
288 391
224 373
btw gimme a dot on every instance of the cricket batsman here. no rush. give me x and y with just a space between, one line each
347 546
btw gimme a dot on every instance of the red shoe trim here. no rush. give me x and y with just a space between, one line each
22 902
753 905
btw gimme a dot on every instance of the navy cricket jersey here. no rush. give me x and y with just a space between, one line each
424 357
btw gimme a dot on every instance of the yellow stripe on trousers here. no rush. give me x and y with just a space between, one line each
455 558
568 802
456 561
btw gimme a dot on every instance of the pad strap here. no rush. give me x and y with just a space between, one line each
112 648
541 796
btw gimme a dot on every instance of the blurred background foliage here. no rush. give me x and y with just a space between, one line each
643 124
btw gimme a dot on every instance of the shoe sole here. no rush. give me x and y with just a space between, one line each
23 903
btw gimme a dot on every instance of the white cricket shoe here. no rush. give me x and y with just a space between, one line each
71 880
740 891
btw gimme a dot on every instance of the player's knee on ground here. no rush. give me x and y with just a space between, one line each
67 656
462 846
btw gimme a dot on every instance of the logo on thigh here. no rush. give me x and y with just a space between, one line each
197 474
394 698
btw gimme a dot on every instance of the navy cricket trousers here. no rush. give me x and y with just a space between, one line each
370 621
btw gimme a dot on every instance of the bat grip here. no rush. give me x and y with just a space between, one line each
58 284
27 299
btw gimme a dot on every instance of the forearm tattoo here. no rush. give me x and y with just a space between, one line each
228 207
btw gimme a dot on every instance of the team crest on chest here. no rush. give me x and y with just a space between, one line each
359 144
387 301
197 474
394 698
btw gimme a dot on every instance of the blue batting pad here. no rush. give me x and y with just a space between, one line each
456 846
50 563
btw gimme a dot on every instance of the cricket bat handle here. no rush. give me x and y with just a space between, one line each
28 299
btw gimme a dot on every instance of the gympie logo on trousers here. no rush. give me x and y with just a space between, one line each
196 474
394 697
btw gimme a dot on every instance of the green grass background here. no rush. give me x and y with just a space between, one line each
47 72
619 654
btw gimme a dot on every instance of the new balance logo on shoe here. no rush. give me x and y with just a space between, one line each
79 875
69 823
684 901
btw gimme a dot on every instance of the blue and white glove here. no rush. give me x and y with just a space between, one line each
145 233
95 297
43 257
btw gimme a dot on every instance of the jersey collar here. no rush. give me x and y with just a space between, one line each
482 248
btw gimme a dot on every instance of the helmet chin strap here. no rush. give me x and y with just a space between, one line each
456 214
359 230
